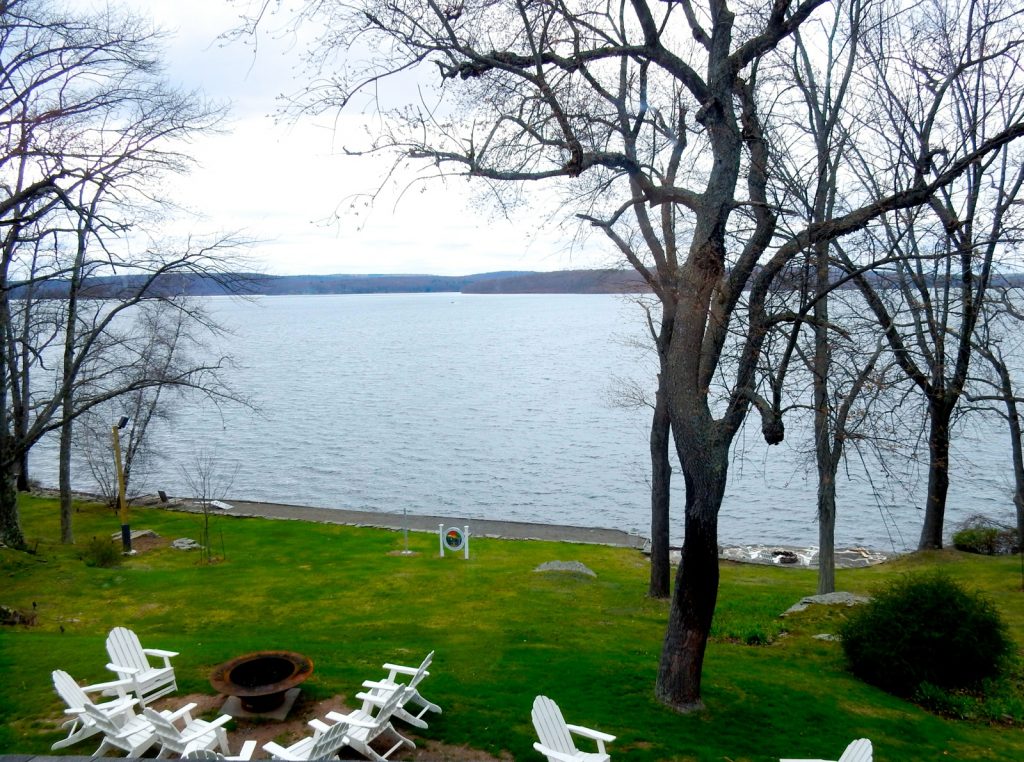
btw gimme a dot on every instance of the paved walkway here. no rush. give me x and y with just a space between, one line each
519 530
511 530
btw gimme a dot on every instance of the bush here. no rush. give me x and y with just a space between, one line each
979 534
926 629
101 553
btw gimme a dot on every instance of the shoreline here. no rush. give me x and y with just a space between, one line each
763 553
766 554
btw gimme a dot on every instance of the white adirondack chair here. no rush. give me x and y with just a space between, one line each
325 743
365 727
81 726
173 740
131 662
556 736
133 736
380 690
195 750
858 751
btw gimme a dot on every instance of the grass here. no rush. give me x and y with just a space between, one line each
501 632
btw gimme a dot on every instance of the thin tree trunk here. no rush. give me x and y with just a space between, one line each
827 528
938 478
661 482
66 534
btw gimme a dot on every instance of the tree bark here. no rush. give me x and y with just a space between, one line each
661 482
826 529
696 589
10 522
938 477
66 533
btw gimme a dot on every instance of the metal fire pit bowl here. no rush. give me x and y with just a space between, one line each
260 680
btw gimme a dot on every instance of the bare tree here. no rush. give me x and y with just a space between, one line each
545 91
88 129
208 483
928 303
999 334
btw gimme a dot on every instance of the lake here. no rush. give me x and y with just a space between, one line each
500 407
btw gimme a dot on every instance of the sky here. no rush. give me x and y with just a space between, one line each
288 186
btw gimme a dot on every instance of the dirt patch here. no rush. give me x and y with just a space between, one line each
142 544
295 727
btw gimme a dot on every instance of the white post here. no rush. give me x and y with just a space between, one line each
466 529
440 537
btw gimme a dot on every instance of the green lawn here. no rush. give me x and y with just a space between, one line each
502 634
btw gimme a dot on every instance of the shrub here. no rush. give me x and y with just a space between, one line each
926 629
979 534
101 553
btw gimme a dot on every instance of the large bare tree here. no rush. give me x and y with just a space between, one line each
545 90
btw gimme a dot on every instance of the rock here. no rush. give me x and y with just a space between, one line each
137 534
826 636
13 616
574 567
784 557
829 599
184 543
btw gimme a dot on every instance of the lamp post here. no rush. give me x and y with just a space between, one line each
122 504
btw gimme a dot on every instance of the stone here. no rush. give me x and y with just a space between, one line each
137 534
826 636
828 599
574 567
184 543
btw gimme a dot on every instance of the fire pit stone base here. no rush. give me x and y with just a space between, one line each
233 706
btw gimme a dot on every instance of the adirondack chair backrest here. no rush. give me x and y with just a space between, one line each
327 745
550 725
125 650
858 751
166 731
422 671
70 691
106 725
388 708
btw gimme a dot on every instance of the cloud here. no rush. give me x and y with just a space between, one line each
289 186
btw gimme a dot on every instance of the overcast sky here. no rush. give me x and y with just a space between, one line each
283 183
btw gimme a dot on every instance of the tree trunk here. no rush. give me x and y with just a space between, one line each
827 527
696 588
661 482
10 522
938 477
66 534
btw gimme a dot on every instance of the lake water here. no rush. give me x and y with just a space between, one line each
500 407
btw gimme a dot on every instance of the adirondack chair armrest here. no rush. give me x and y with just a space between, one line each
595 735
398 669
160 654
221 721
117 685
185 712
369 698
276 751
246 753
120 669
552 754
339 717
379 685
318 725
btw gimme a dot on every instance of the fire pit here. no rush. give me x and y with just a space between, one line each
261 681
